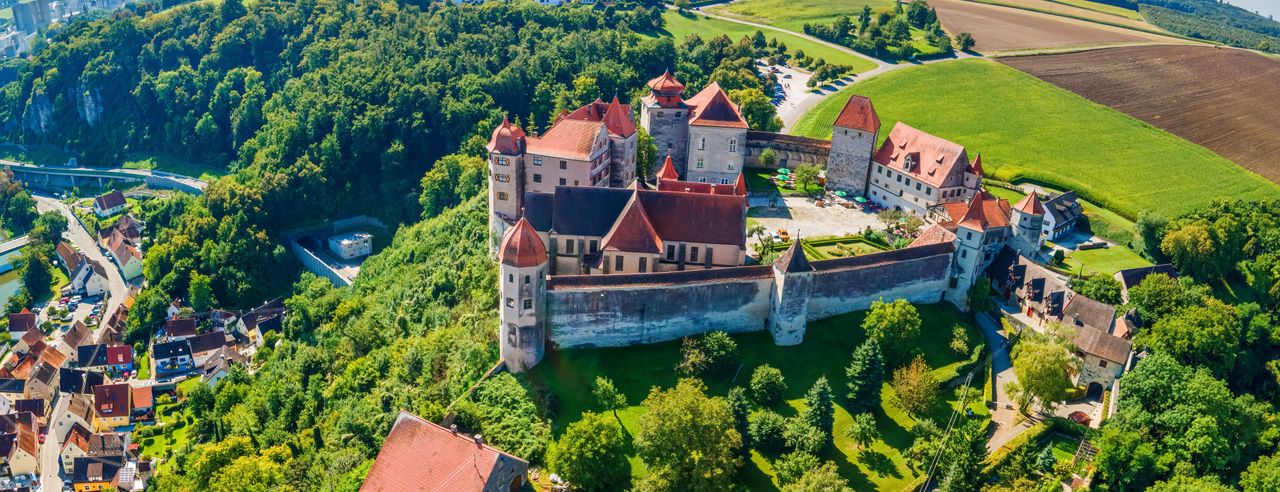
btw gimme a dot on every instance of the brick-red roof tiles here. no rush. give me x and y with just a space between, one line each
633 233
111 400
1030 204
859 114
712 107
521 247
933 159
507 139
668 171
666 83
568 138
935 234
986 212
421 456
615 116
697 218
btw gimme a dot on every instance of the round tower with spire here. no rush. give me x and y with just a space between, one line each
522 268
666 117
1027 217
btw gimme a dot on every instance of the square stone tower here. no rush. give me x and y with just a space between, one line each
792 284
666 117
853 141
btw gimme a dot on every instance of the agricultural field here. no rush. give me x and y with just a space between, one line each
681 26
1026 128
1003 29
794 14
828 345
1227 100
1082 9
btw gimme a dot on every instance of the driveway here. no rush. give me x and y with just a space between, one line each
117 288
1009 422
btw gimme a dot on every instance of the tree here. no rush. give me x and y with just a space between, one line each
1193 251
33 267
231 10
824 478
866 375
646 154
805 175
690 437
980 296
966 454
1043 362
894 326
740 407
1156 296
451 180
682 5
1151 228
767 385
959 340
757 109
820 410
791 466
766 429
1206 336
692 359
592 454
864 19
802 436
48 228
200 292
863 430
608 396
720 351
914 389
768 158
964 41
1101 288
1262 475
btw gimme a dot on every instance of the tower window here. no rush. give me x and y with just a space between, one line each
702 143
693 254
537 178
502 195
526 280
671 252
511 278
660 114
563 182
528 303
564 165
677 114
537 160
724 181
502 178
699 163
511 302
593 245
733 145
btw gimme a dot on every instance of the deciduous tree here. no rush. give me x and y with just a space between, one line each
592 454
914 389
1043 362
894 326
689 436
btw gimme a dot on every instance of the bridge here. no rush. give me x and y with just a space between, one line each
9 249
66 177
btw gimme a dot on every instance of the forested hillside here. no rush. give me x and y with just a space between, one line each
1209 19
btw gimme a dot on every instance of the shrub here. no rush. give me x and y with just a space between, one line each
767 385
959 341
863 430
766 429
791 466
803 436
692 359
720 351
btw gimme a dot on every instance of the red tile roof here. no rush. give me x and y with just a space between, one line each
1030 204
507 139
109 200
976 167
986 212
859 114
111 400
666 83
568 138
697 218
933 160
521 247
21 322
421 456
712 107
668 171
633 233
142 396
935 234
120 355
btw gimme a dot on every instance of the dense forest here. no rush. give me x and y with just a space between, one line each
887 33
1213 20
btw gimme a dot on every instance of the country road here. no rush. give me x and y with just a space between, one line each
87 241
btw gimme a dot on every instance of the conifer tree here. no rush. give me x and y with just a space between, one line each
820 411
866 375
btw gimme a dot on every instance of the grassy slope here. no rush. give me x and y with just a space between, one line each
1102 7
794 14
680 26
174 165
1029 129
828 344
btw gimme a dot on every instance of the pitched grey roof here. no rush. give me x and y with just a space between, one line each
1134 276
1102 344
1083 311
793 259
1064 207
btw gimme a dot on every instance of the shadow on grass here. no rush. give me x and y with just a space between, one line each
879 463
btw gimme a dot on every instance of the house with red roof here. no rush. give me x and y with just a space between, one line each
705 135
109 204
913 171
20 323
669 180
419 455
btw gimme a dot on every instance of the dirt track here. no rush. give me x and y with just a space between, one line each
1227 100
998 28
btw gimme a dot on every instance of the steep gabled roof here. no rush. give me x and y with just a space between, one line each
111 400
986 212
568 138
712 107
521 247
976 166
1030 204
859 114
507 139
109 200
932 159
793 259
633 233
420 455
1083 311
1102 344
1133 276
70 257
618 119
934 234
1064 207
21 322
668 170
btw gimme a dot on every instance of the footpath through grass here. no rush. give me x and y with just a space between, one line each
827 348
1026 128
681 26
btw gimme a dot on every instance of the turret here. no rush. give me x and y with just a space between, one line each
665 117
1027 217
668 171
506 175
522 267
792 283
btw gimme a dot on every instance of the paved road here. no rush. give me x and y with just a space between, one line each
87 241
140 174
50 466
1002 368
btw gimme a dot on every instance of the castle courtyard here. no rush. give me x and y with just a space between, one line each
800 215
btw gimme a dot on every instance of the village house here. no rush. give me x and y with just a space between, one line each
127 227
913 171
1063 211
20 323
172 357
19 445
176 329
91 474
12 389
256 323
419 455
111 406
72 340
92 357
120 359
78 412
143 404
205 346
75 444
42 384
219 364
84 276
78 381
126 257
109 204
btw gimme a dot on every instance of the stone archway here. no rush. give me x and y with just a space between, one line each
1094 391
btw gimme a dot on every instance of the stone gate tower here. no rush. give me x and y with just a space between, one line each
522 268
666 117
792 284
853 141
1027 217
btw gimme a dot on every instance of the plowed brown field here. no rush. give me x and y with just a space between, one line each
997 28
1226 100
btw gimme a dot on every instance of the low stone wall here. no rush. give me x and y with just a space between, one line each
843 285
790 150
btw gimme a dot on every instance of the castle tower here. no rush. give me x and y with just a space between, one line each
506 176
666 117
792 283
1027 218
853 141
622 137
522 268
668 171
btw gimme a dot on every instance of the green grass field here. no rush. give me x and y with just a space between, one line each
1102 7
1104 261
174 165
758 180
828 345
681 26
1029 129
792 15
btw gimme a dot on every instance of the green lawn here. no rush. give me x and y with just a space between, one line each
1026 128
681 26
828 344
174 165
143 363
1105 261
758 180
792 15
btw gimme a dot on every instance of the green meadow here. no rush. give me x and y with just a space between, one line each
680 26
1028 129
794 14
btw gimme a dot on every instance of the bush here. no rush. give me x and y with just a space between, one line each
767 385
766 429
693 361
959 341
791 466
803 436
720 350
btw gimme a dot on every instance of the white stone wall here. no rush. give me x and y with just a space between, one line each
716 154
669 128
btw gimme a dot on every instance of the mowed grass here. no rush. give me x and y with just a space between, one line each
827 348
174 165
794 14
1104 261
680 27
1029 129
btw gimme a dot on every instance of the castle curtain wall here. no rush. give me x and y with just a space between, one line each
919 275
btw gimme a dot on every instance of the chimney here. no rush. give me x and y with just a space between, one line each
479 440
453 428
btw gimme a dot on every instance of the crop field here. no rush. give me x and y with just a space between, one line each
1003 29
794 14
1026 128
1227 100
681 26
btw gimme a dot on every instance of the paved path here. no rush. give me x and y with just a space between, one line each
50 465
117 288
1002 368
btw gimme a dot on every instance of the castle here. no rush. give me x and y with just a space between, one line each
591 255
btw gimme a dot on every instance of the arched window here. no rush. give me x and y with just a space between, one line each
733 145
